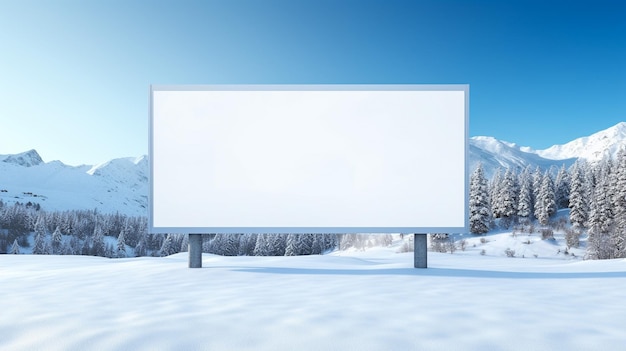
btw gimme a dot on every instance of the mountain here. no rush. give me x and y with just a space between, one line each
592 148
493 154
27 159
119 185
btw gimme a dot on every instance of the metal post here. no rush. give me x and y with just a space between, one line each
195 250
420 259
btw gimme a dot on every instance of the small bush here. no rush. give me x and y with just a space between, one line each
547 233
463 244
482 252
572 237
483 240
509 252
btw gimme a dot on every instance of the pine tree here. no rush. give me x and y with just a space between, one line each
525 203
15 248
57 239
507 198
260 249
545 206
39 248
619 193
292 245
166 248
121 245
316 246
98 248
184 244
578 202
537 178
479 209
141 249
562 188
600 223
494 196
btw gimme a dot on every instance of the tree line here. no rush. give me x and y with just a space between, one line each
594 193
89 232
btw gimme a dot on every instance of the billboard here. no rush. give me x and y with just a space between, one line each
308 159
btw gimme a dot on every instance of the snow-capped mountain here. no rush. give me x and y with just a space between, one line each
592 148
493 154
120 185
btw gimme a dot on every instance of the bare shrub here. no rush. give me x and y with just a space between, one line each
463 244
483 240
482 252
509 252
547 233
572 237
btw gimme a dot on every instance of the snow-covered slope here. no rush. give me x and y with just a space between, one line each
592 148
120 185
493 154
357 300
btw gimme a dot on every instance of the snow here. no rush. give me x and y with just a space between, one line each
354 300
494 154
119 185
592 148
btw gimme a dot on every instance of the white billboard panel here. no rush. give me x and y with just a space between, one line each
306 158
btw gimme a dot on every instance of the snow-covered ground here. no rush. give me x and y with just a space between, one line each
353 300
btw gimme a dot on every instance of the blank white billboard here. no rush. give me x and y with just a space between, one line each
308 159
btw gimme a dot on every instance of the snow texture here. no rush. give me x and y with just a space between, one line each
355 300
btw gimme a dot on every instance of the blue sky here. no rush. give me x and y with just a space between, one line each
75 76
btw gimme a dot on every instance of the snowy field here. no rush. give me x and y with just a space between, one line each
369 300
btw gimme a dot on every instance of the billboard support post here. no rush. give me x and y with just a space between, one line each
420 259
195 250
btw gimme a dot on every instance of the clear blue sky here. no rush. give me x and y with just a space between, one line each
75 75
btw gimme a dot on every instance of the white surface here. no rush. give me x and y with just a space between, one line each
372 300
308 159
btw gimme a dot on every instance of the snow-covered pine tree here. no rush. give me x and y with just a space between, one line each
619 192
141 249
230 244
316 246
578 202
184 244
537 178
494 194
545 206
260 249
57 239
507 198
121 245
166 248
98 248
562 188
292 245
15 248
479 208
330 242
247 242
39 247
525 198
599 244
